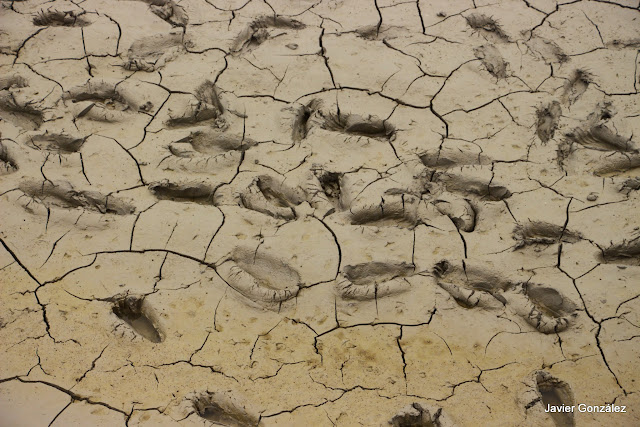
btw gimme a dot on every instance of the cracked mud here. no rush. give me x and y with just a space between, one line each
320 212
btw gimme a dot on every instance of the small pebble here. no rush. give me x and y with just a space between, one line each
592 197
292 46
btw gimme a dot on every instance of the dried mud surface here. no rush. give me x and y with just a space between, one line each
319 212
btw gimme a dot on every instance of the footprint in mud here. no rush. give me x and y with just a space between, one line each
543 307
354 124
258 32
64 195
393 210
56 18
132 310
301 120
460 211
19 103
105 101
271 196
485 190
492 60
487 27
416 415
542 233
259 277
373 280
330 185
197 192
169 11
57 143
471 286
205 151
625 253
600 137
548 120
222 409
151 53
576 85
554 392
7 163
204 105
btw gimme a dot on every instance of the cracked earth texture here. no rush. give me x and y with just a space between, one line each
319 212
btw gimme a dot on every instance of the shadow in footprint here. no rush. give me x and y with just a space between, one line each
555 392
197 192
131 310
56 18
7 163
542 233
625 253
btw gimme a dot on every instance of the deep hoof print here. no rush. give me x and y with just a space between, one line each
56 18
373 280
554 392
197 192
459 210
416 415
105 101
221 409
261 278
132 310
624 253
548 119
471 287
7 163
205 105
272 197
354 124
545 309
394 210
258 31
542 233
64 195
487 27
58 143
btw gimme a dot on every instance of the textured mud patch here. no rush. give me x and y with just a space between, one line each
55 18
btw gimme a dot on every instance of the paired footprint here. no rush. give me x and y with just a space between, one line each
541 306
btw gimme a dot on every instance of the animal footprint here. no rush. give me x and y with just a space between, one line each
133 312
487 27
205 104
259 277
395 210
373 280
